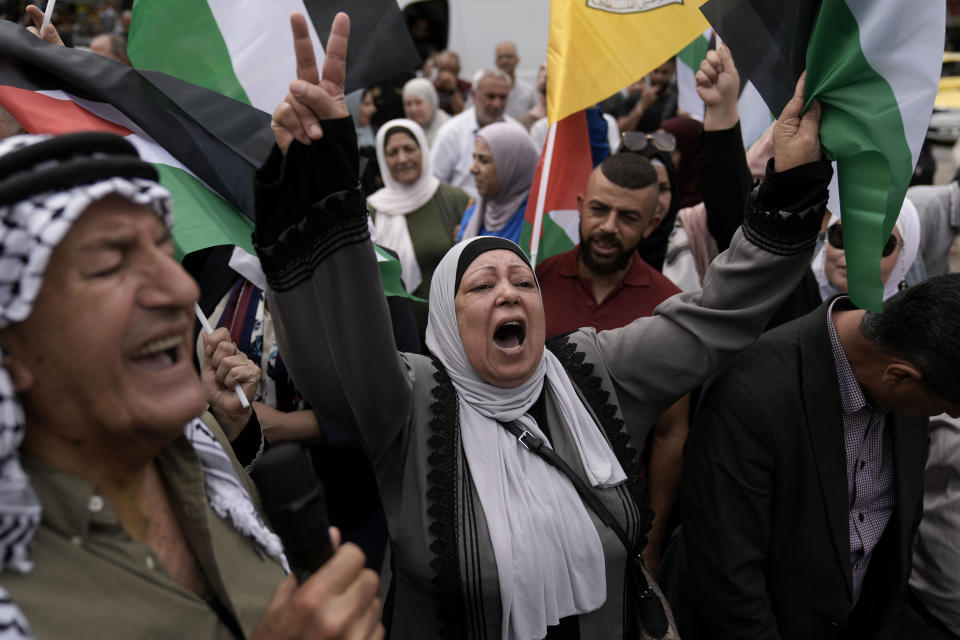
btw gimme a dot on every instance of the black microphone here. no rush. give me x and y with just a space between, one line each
294 502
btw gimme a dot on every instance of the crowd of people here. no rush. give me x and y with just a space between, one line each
680 427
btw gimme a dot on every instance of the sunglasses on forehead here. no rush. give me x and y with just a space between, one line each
638 140
835 238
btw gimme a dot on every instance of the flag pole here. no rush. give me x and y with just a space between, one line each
47 16
542 194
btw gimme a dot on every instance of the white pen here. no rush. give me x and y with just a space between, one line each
206 327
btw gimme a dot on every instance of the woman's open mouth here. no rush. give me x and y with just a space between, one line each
510 334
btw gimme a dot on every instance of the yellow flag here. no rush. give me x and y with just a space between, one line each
598 47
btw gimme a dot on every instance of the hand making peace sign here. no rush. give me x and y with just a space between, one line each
313 97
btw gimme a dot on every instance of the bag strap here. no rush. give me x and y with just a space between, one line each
651 609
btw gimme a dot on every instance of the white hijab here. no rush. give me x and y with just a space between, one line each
395 201
425 89
550 562
908 224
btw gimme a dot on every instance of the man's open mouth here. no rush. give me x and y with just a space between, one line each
510 334
160 353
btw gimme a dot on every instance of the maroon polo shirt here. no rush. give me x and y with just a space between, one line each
568 297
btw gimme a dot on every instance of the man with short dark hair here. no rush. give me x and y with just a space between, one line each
452 151
603 283
452 90
803 473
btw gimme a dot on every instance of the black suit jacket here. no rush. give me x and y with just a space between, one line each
765 507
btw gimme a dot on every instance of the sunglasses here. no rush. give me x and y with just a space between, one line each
638 140
835 238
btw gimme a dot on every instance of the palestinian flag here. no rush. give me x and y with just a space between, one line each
211 145
565 164
875 67
597 47
755 117
244 50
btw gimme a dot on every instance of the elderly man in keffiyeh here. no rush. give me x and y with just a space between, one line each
122 513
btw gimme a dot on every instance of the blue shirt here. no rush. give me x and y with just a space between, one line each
510 231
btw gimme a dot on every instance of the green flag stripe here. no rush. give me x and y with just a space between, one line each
862 128
391 275
204 60
694 53
553 240
201 217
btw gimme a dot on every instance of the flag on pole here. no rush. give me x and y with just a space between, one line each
552 222
875 67
597 47
755 116
211 145
243 48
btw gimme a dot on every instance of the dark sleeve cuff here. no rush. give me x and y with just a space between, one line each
248 446
784 212
308 204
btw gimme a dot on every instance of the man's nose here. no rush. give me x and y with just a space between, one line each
167 283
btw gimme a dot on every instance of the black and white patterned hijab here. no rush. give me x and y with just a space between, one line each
46 183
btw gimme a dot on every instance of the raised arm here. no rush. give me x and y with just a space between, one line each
653 361
724 175
333 325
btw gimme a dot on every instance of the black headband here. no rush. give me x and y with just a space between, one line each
67 161
482 245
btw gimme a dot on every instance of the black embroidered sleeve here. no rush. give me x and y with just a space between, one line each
784 212
309 204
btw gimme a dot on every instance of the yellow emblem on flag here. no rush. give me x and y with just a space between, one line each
597 47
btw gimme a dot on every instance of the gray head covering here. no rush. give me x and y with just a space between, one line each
46 183
515 157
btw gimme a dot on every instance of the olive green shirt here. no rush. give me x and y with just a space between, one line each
92 580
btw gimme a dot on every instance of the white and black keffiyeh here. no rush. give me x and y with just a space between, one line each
75 171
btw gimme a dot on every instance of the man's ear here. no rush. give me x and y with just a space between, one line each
655 221
580 204
20 373
897 374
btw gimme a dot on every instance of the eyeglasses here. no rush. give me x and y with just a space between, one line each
835 238
638 140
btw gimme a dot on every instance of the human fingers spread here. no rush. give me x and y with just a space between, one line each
303 49
335 57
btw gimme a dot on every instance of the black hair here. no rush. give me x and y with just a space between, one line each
653 248
392 131
629 171
921 324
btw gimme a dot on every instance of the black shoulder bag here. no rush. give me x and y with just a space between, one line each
654 617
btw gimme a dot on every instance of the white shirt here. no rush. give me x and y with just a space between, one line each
522 98
540 129
936 563
452 152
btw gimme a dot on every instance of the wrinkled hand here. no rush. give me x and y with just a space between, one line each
50 34
313 97
796 137
337 602
222 368
718 85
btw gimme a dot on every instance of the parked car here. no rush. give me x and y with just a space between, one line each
945 120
